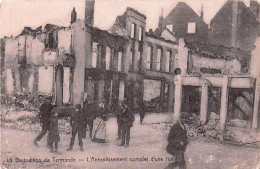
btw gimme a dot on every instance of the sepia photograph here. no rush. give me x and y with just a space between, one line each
129 84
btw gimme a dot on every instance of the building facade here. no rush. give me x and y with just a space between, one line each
185 23
165 72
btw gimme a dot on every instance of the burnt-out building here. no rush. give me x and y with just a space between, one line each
150 64
105 76
69 63
221 80
36 62
81 61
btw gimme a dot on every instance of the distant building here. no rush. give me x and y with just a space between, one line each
185 23
235 25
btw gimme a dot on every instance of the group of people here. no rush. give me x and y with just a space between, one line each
94 116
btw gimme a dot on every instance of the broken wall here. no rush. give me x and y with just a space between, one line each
64 41
11 51
79 48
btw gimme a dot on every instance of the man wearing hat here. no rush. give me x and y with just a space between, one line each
90 109
78 124
127 119
44 115
177 143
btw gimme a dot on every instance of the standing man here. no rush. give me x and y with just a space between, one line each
90 109
78 124
44 115
177 140
119 111
127 122
141 109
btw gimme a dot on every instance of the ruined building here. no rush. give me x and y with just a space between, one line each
81 61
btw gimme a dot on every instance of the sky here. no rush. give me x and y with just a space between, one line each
16 14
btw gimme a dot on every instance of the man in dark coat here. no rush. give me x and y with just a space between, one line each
90 109
78 124
44 115
54 137
127 122
119 111
177 140
141 109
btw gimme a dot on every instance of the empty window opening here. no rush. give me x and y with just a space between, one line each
139 58
191 27
120 56
131 60
108 58
94 54
149 58
9 81
45 79
66 85
121 90
133 30
168 61
159 59
141 29
31 82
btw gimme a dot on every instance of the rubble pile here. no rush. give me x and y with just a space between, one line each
236 131
162 127
241 135
196 130
212 128
239 123
28 121
22 102
22 120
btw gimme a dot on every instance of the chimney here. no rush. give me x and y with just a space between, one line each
150 32
254 7
73 16
89 12
160 23
201 13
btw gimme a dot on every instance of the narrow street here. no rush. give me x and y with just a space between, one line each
147 150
